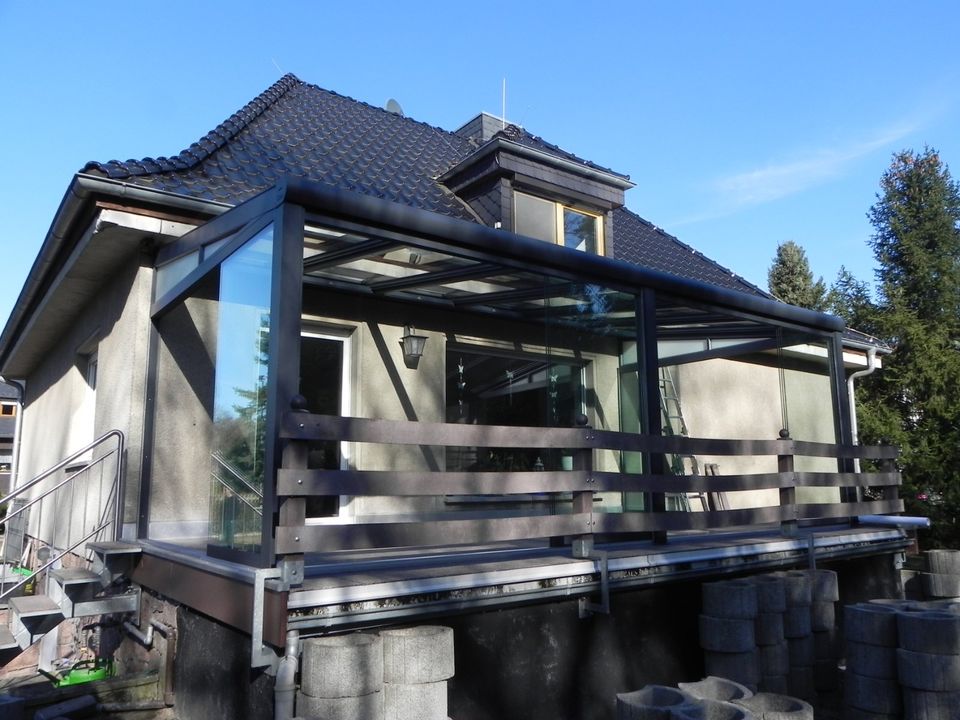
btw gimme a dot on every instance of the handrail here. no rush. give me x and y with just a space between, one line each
115 492
222 461
238 495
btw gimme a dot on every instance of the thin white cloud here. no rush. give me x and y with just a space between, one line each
774 181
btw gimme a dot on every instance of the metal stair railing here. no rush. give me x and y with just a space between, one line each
104 518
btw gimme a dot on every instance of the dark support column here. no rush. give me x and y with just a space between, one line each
284 359
583 500
293 510
648 369
841 410
788 493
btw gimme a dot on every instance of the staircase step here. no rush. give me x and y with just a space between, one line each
32 606
114 547
7 640
32 617
75 576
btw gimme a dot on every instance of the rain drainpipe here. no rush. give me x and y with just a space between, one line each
286 685
871 366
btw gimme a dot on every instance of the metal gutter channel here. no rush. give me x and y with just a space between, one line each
303 599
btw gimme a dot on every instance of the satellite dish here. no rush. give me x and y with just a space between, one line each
394 107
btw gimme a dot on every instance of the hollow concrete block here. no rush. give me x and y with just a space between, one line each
798 586
715 688
875 661
743 667
942 562
653 702
730 599
342 665
872 694
726 634
936 585
774 659
422 654
823 616
416 701
871 623
768 628
928 671
926 705
796 621
712 710
364 707
771 706
935 632
771 593
825 587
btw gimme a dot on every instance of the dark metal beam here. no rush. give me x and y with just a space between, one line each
435 278
346 254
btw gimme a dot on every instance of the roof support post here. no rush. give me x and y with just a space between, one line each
648 363
286 295
841 410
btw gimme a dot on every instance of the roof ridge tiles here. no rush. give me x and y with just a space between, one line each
219 136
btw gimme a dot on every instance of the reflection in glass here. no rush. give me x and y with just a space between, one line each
240 397
579 231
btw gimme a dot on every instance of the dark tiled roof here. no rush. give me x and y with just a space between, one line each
638 241
8 392
522 137
301 130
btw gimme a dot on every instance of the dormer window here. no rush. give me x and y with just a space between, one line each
557 223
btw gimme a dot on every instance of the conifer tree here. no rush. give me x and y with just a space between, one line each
791 280
915 400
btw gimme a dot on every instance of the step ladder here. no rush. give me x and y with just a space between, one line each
74 592
675 425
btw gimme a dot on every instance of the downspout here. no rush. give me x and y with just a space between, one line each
286 685
17 424
871 366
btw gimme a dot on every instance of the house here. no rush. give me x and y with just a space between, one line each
9 408
331 368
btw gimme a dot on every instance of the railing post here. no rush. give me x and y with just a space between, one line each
890 492
583 499
788 494
293 510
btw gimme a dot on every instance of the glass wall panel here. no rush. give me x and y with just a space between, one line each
240 397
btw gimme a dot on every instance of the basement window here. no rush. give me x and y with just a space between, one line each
558 223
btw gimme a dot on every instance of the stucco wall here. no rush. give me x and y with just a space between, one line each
63 414
180 470
742 401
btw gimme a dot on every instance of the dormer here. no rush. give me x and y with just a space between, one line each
518 182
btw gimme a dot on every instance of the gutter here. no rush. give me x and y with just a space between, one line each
83 189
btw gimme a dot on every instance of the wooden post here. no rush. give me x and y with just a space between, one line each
788 494
583 499
292 511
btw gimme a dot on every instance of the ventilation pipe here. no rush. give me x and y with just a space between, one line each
871 366
285 688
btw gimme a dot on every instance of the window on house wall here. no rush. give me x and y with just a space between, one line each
558 223
8 410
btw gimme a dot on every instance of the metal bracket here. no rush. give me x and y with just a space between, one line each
586 608
262 655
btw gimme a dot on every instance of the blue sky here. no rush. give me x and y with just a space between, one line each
743 124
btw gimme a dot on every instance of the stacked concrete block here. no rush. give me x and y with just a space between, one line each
871 689
417 663
727 631
713 710
823 623
942 578
653 702
772 706
342 678
798 630
716 688
772 648
928 664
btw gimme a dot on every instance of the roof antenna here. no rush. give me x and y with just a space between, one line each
394 107
503 105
